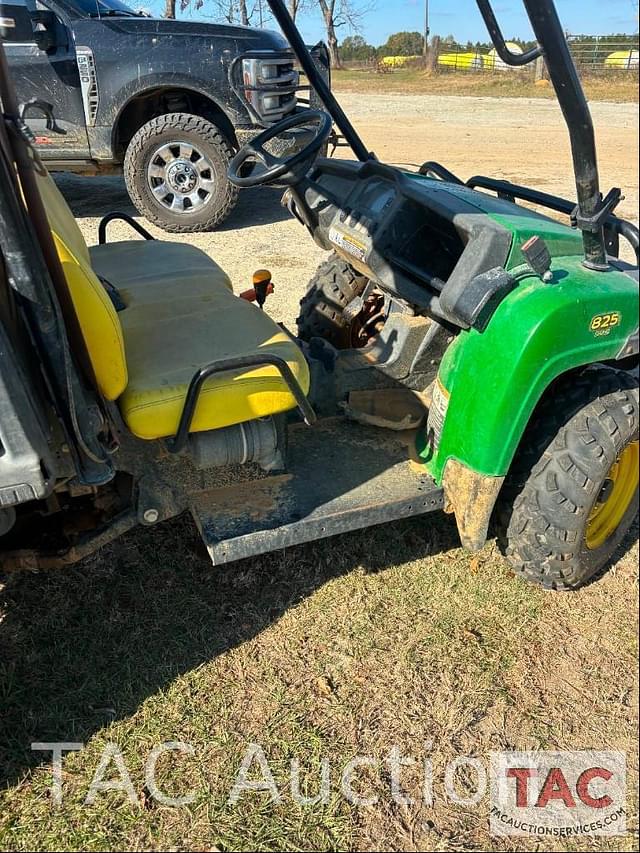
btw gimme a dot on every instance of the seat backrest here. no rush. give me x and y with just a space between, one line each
97 317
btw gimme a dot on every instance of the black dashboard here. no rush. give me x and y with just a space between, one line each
414 236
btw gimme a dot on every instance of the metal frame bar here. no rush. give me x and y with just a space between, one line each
553 46
440 171
510 192
506 55
227 366
116 215
292 34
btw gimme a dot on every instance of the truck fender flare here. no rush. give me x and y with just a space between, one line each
128 96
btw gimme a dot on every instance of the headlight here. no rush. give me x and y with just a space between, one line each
270 86
269 72
272 102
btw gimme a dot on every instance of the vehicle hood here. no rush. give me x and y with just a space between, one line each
521 221
250 37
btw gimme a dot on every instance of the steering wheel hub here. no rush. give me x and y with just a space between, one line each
255 166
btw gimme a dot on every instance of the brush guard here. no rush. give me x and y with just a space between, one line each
613 226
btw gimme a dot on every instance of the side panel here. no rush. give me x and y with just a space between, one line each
27 469
491 381
52 77
135 56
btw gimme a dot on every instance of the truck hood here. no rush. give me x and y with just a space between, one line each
251 38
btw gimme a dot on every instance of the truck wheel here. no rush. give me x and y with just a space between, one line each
175 169
332 288
572 494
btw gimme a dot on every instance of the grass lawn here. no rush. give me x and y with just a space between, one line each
342 648
617 87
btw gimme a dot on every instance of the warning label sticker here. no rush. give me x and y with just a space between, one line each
348 244
437 414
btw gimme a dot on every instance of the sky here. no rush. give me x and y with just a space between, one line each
461 18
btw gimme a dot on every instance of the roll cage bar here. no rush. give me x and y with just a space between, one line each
592 210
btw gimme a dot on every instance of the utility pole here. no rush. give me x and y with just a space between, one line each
427 30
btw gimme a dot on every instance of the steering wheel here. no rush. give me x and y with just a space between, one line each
271 169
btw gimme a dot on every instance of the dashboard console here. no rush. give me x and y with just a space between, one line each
418 238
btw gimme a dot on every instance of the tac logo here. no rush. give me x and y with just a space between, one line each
558 794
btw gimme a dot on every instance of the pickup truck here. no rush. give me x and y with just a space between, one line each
105 88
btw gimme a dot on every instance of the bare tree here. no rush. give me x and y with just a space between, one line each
226 8
294 7
244 12
328 8
232 11
341 13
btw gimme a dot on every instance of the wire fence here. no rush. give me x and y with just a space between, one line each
592 55
605 53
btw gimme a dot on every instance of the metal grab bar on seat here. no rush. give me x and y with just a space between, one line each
111 217
229 365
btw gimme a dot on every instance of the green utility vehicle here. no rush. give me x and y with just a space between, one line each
457 351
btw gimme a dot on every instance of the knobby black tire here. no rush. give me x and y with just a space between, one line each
334 285
574 438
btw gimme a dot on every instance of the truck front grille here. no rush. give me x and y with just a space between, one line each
270 83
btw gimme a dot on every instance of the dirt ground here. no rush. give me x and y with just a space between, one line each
613 87
390 637
522 140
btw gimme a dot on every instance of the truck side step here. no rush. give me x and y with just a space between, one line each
341 476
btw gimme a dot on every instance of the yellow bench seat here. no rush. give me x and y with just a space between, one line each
180 315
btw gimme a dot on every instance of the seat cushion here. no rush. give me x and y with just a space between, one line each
98 322
178 320
155 264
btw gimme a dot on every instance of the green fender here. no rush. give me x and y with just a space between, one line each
495 378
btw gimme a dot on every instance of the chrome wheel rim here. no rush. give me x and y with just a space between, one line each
180 177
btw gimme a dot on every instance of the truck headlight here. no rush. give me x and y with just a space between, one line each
271 102
269 72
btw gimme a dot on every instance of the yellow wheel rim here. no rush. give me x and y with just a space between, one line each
617 493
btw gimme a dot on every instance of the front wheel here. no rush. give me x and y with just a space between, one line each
572 494
175 169
322 309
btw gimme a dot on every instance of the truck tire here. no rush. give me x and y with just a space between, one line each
572 493
175 169
334 285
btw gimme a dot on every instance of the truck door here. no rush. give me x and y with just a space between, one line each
42 58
